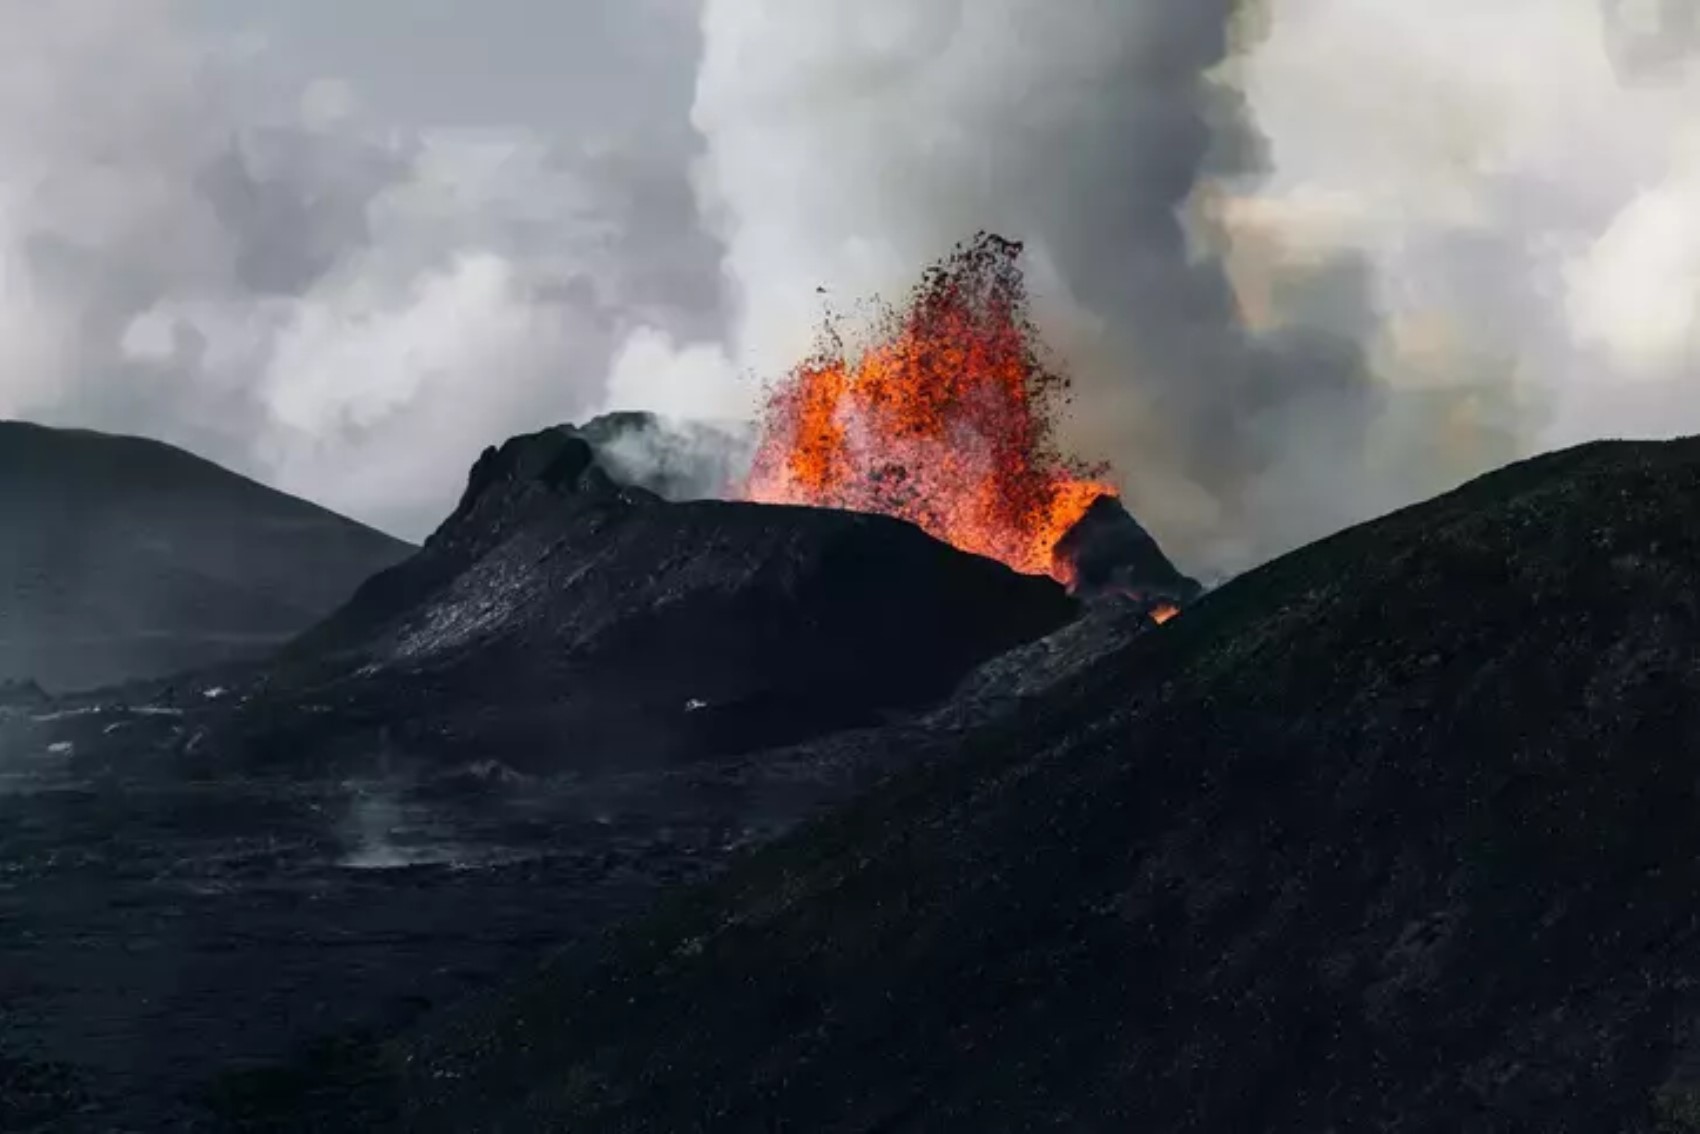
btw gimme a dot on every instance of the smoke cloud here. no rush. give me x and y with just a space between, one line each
1307 260
194 248
849 143
1510 175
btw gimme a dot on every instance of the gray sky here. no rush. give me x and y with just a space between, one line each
342 247
571 67
1308 259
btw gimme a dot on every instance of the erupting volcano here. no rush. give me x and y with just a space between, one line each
946 420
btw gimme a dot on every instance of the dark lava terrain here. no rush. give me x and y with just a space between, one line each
573 696
1400 832
122 558
558 620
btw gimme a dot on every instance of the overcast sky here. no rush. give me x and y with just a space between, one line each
1309 259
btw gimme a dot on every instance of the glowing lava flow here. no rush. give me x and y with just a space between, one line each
945 420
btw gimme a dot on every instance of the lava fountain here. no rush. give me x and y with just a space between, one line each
946 419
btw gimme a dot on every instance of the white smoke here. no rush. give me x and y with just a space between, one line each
1430 239
849 144
1307 259
693 381
352 311
1521 178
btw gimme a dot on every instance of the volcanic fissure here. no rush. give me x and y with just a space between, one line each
946 418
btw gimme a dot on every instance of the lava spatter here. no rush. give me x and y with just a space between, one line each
946 419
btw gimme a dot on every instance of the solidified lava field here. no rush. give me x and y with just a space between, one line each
159 931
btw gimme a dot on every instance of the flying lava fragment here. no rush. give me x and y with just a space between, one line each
946 419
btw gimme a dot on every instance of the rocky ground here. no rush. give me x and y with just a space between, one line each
575 697
161 930
1397 833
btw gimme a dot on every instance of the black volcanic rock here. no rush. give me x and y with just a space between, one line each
1108 551
559 619
1401 831
573 696
123 558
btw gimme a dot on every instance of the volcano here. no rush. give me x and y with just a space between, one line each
947 416
561 618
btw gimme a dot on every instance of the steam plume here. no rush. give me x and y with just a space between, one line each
848 144
1307 260
1286 307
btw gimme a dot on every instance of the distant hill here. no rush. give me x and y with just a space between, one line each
124 558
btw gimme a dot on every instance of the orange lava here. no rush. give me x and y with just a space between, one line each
1163 613
946 420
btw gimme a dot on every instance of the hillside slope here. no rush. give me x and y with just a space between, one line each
559 620
124 558
1399 832
574 696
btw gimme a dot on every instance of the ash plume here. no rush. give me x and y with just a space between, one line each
848 145
1306 262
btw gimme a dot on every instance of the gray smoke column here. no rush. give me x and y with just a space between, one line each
850 142
1307 260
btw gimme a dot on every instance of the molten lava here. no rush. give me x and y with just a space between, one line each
946 420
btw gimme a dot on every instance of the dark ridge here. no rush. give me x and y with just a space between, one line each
1398 832
558 618
505 485
123 558
1107 551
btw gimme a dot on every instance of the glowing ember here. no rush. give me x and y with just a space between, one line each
945 420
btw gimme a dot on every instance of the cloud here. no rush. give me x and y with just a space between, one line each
1636 290
694 381
1307 261
1516 178
849 143
194 250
